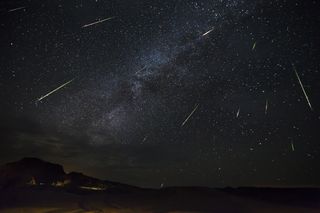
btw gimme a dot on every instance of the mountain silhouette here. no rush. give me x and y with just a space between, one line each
36 172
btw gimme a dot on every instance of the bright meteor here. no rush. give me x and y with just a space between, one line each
98 22
185 121
238 112
206 33
55 90
302 87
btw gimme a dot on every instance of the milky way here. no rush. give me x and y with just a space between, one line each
139 68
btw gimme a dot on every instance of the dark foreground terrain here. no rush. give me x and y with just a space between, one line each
31 185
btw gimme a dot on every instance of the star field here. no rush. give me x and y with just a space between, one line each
164 92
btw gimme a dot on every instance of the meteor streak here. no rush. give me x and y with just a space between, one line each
292 146
302 87
145 138
266 107
141 69
206 33
55 90
254 45
185 121
238 113
16 9
97 22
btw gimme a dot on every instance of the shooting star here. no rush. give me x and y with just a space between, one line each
55 90
145 138
254 45
16 9
185 121
97 22
206 33
302 87
266 107
292 146
238 113
141 69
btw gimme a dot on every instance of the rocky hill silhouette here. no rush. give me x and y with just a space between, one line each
36 172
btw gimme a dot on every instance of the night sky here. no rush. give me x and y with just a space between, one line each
172 92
